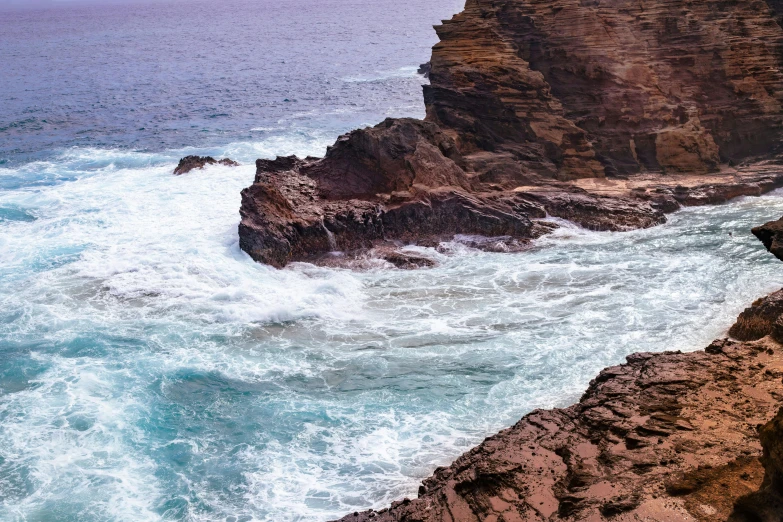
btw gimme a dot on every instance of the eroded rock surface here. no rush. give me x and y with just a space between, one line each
545 107
578 89
400 180
766 505
760 319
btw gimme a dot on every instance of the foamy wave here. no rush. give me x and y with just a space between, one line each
402 72
152 370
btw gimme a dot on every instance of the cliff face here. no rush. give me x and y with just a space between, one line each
575 88
529 99
668 437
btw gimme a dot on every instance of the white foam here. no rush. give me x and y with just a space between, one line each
341 390
382 76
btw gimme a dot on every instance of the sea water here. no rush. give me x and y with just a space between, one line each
150 370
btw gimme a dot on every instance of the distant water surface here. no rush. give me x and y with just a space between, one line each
267 75
149 370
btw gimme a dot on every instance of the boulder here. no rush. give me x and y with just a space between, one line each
189 163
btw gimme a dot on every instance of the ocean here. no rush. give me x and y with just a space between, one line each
150 370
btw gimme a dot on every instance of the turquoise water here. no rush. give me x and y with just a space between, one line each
152 371
149 370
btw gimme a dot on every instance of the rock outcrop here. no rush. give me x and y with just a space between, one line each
545 107
760 319
189 163
771 234
766 505
665 437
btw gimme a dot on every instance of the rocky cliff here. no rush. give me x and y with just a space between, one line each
665 437
605 112
575 88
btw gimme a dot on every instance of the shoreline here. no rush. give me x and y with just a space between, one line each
668 436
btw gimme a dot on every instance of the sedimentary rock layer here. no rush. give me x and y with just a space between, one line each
531 103
611 86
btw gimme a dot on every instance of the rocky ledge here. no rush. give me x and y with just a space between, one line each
608 114
404 182
665 437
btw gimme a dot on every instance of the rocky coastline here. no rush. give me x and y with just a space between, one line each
664 437
608 114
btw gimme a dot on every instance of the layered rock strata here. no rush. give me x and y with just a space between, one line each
665 437
542 108
611 86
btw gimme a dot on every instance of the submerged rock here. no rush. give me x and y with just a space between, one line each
189 163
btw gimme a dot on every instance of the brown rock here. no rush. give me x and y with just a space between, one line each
189 163
687 148
571 109
771 234
400 180
673 85
766 505
664 437
405 260
760 319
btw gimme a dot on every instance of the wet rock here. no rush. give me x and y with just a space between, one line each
771 235
400 180
759 319
189 163
408 261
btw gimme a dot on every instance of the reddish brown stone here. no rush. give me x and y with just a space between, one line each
189 163
608 113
